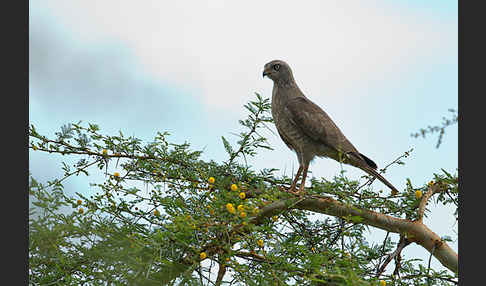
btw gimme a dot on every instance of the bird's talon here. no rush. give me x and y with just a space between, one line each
301 193
292 191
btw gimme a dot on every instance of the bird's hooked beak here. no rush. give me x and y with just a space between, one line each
266 71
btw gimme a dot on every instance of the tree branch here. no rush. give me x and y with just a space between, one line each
401 245
414 231
221 271
433 189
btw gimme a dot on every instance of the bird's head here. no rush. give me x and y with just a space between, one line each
277 70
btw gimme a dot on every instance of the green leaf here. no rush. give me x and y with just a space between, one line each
227 146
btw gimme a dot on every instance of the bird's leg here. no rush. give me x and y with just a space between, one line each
301 191
294 183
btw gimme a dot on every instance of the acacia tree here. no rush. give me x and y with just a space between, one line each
170 218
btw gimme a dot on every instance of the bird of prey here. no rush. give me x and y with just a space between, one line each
308 130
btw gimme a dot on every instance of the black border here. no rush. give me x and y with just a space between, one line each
15 122
471 73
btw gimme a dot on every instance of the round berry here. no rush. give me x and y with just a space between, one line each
418 194
203 255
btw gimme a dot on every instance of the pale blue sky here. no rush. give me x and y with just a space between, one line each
381 69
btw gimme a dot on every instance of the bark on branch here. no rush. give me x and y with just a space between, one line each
433 189
414 231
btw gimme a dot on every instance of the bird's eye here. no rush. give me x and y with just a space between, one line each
276 67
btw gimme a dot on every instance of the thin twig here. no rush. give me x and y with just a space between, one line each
403 242
428 267
383 247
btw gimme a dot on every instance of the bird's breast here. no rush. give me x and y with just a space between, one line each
290 134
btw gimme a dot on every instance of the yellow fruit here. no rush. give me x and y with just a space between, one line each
211 212
105 152
382 283
256 211
240 208
418 194
242 195
431 183
116 174
227 259
230 208
81 211
243 214
260 243
203 255
211 180
34 147
79 202
274 218
156 212
234 187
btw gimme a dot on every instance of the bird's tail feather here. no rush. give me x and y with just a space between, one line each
369 161
374 173
366 164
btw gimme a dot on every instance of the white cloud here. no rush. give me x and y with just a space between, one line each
220 47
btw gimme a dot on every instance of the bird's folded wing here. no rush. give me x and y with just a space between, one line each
316 124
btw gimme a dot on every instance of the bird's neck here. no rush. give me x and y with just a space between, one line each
286 82
286 88
281 93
